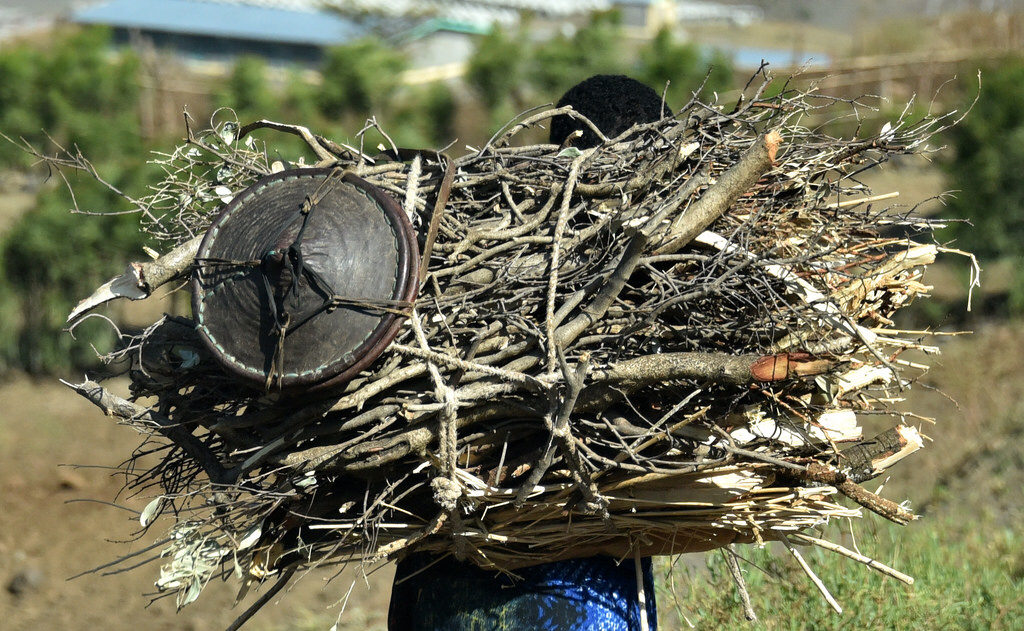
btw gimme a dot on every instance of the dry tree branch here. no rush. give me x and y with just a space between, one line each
141 279
723 193
741 585
599 340
325 155
113 405
832 602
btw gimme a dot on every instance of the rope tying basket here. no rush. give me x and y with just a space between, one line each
661 344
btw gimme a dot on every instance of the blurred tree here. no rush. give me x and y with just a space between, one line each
79 94
684 66
247 92
53 258
439 107
423 116
495 71
986 170
299 99
360 78
89 97
76 91
19 116
561 62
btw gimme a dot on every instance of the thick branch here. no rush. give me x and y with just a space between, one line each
870 458
302 132
754 163
608 386
595 310
889 509
561 438
141 279
716 367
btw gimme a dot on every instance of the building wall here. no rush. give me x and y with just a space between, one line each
205 48
440 48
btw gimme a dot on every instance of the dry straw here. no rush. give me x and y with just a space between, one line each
659 345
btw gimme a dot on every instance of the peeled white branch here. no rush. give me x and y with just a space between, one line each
832 602
856 556
141 279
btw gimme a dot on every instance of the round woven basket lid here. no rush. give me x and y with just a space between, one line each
304 279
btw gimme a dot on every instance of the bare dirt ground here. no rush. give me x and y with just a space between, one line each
47 534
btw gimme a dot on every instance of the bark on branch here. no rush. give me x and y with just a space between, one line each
716 367
817 472
723 193
113 405
141 279
607 386
868 459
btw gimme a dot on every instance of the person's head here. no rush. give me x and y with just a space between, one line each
614 103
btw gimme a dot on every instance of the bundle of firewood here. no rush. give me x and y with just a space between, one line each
658 345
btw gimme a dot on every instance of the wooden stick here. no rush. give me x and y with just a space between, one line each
865 200
811 575
641 595
299 130
141 279
741 585
261 601
856 556
723 193
869 458
436 215
113 405
889 509
556 251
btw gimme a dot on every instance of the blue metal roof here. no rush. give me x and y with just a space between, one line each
215 19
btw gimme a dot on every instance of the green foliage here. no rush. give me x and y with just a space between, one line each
683 66
986 170
51 259
438 106
81 95
425 117
18 99
360 78
968 576
561 62
300 99
495 71
66 90
247 92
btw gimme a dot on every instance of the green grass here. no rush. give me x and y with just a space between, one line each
969 575
966 552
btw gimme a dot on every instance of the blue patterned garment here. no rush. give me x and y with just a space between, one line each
592 594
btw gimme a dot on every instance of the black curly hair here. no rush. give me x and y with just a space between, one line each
614 103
